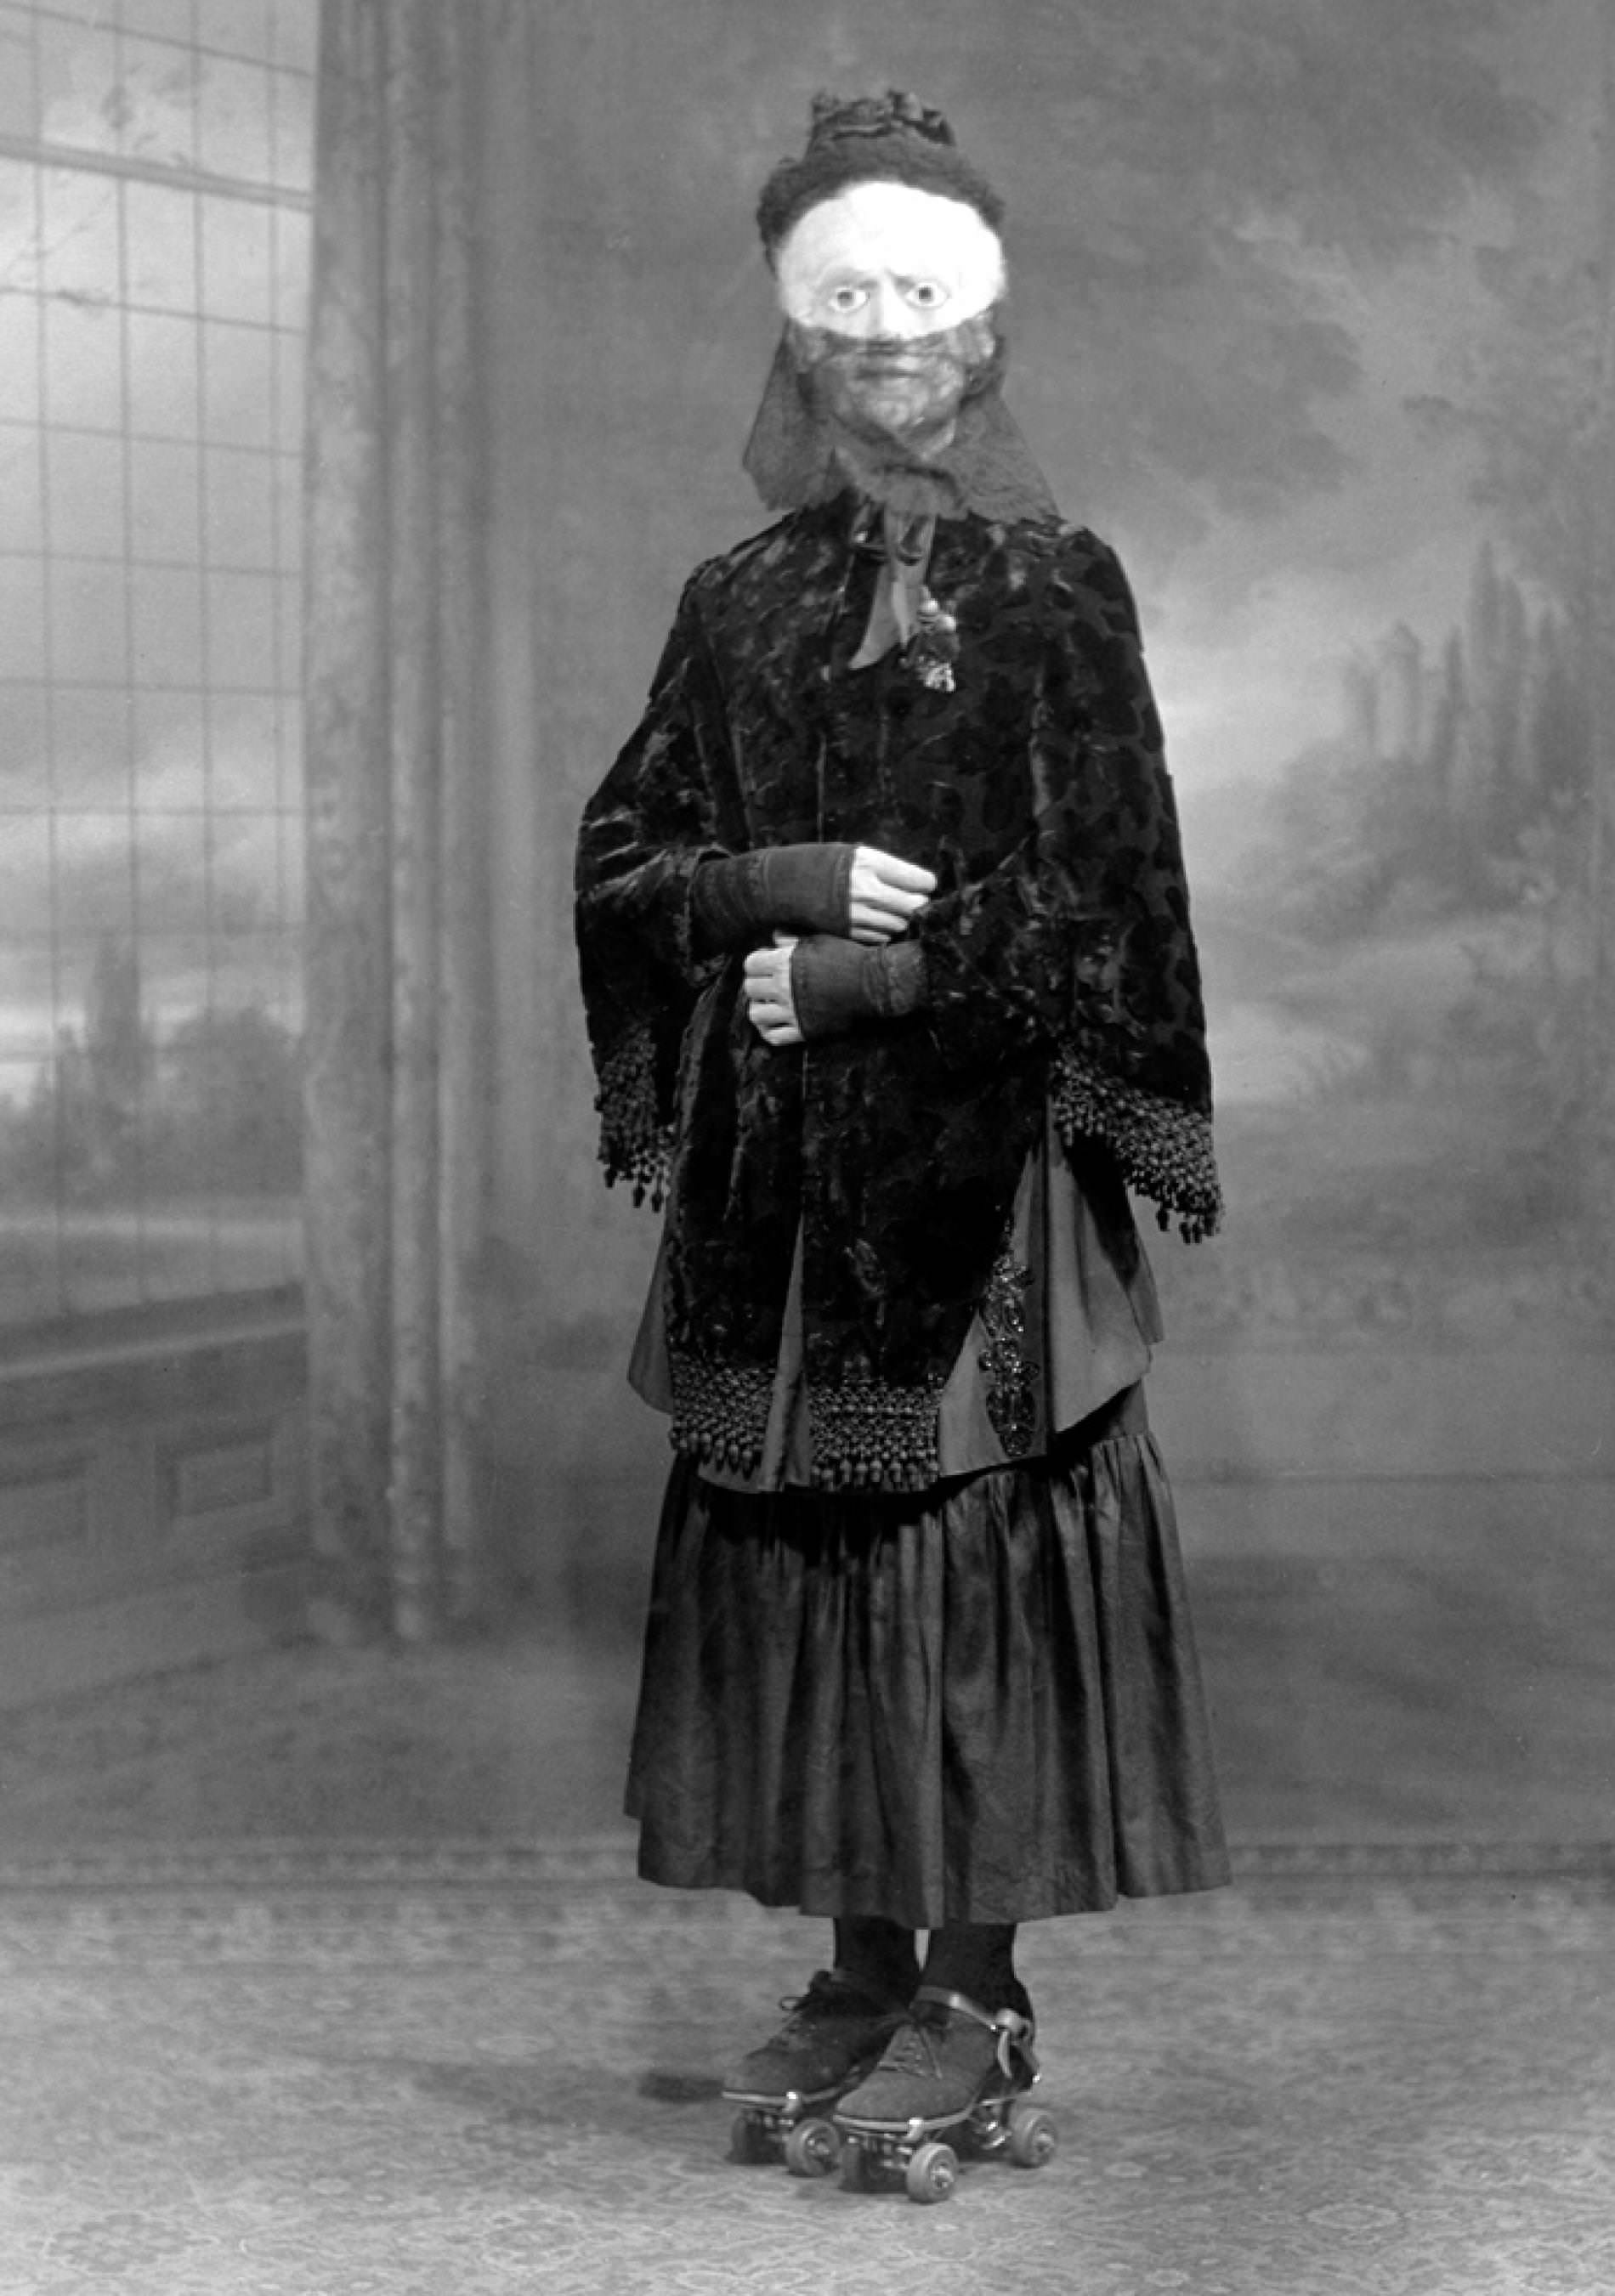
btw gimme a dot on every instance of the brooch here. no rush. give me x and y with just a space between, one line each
933 649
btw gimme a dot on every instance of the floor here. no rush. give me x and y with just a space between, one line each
403 2081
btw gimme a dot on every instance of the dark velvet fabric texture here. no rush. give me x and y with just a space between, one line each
982 1704
1037 793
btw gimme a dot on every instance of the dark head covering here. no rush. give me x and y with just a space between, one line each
890 139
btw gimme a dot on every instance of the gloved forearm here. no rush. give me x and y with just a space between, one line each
737 899
838 985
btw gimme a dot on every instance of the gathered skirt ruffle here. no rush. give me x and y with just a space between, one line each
978 1703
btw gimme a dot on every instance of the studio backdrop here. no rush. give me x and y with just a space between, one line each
1310 316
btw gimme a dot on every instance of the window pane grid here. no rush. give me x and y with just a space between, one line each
151 341
231 98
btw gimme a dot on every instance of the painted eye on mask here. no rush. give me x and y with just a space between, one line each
853 295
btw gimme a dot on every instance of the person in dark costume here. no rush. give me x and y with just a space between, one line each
893 996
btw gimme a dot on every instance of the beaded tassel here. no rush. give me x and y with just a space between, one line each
1164 1149
868 1436
721 1413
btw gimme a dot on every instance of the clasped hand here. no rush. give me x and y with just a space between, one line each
885 894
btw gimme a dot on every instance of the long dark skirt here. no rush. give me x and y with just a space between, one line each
978 1704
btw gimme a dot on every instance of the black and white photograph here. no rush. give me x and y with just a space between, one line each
807 1147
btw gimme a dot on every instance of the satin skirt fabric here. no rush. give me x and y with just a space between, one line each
978 1704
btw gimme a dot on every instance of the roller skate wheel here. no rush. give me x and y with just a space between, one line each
812 2149
855 2175
749 2141
932 2173
1033 2136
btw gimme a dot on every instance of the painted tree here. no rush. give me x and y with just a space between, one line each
79 1135
1536 399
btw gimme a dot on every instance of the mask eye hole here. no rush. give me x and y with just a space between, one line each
927 294
847 298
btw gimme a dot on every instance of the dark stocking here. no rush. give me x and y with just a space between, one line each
877 1955
977 1959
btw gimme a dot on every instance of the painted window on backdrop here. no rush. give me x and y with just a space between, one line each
155 173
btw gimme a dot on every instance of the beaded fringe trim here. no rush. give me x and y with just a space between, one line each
721 1413
1165 1150
635 1145
868 1436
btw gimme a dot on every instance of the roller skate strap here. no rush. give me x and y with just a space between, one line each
1014 2031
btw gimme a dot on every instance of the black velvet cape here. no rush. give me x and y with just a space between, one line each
1061 967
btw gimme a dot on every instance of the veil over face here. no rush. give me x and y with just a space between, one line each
887 377
889 295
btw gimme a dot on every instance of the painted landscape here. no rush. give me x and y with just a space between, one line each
1400 944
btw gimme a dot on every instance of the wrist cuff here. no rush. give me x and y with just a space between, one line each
803 889
837 985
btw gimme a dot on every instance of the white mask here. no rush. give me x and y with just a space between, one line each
885 261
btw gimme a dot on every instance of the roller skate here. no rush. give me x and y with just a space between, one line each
954 2081
832 2036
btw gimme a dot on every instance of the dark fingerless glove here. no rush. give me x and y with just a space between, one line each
837 984
737 900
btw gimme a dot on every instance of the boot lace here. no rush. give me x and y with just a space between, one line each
913 2048
826 1996
916 2047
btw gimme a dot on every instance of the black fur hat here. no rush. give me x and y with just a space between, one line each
892 138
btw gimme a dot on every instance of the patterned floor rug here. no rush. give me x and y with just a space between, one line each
443 2073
